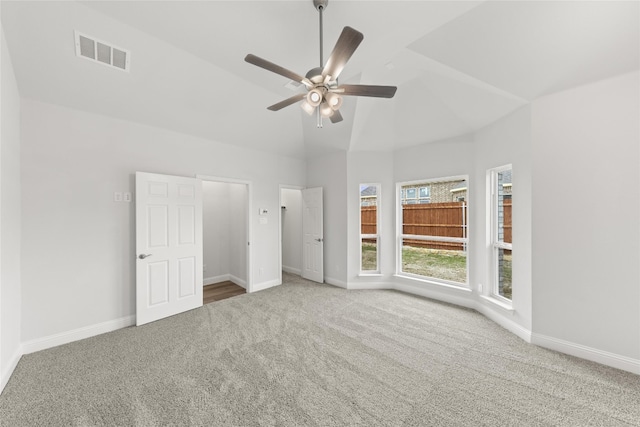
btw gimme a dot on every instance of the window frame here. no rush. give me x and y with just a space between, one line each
495 244
400 237
376 236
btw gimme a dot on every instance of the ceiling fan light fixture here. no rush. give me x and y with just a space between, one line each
334 100
308 108
326 110
314 97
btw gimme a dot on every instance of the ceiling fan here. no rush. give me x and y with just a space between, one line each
324 94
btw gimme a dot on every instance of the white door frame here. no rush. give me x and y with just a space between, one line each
227 180
284 187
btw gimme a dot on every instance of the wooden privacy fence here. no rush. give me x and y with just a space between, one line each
432 219
435 219
507 221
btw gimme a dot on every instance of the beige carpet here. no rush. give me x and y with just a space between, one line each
306 354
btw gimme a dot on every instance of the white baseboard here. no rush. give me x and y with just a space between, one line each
505 322
77 334
264 285
216 279
447 296
8 371
336 282
599 356
292 270
238 281
224 278
369 285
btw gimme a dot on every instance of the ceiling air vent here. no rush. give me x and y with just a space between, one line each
293 85
96 50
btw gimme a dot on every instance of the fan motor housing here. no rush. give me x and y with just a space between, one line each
315 75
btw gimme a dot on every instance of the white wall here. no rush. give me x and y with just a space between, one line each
80 269
291 230
216 231
586 218
330 173
371 168
507 141
10 222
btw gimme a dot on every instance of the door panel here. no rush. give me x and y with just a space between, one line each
312 235
168 244
186 277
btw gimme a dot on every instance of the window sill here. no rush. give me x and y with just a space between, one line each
460 287
503 305
370 275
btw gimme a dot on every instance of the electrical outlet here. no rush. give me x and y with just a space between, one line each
260 271
480 287
204 267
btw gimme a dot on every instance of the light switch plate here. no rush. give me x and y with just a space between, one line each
117 196
127 197
262 211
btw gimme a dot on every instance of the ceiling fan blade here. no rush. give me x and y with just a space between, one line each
280 105
336 117
270 66
347 43
367 90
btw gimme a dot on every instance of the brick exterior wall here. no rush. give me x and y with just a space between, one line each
440 192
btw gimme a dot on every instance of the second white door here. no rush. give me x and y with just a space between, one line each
312 235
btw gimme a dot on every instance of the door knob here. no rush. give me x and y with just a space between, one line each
318 240
143 256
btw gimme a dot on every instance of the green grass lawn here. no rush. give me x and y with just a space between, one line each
437 263
369 257
506 275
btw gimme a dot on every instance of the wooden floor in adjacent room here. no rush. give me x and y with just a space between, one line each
220 291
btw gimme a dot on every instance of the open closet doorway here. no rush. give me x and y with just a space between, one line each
290 230
225 226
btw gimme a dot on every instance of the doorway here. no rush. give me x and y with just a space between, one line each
290 230
301 232
226 271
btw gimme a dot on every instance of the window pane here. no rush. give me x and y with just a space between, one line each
502 220
369 226
368 195
439 260
369 254
504 192
504 273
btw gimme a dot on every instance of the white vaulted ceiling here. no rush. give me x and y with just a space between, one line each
458 65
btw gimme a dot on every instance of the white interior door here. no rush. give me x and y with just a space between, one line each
312 235
168 245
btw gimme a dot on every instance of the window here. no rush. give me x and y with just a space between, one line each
424 195
369 236
501 232
432 236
